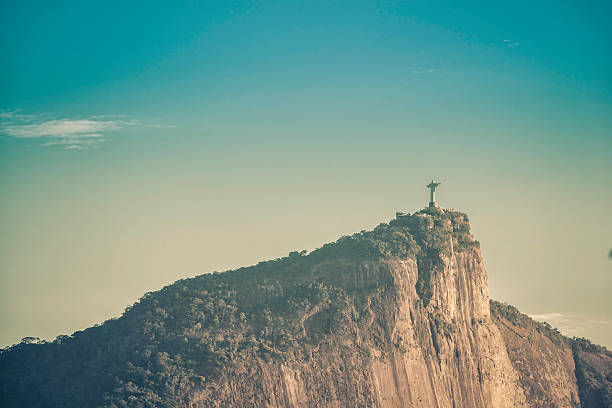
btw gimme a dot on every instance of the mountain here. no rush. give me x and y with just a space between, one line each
394 317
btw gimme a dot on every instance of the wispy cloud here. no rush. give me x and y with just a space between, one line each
580 325
511 44
80 133
64 128
425 71
77 143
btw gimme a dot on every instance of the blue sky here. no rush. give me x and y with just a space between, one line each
145 142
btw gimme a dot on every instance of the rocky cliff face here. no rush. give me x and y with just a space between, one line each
553 370
394 317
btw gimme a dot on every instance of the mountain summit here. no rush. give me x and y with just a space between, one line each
394 317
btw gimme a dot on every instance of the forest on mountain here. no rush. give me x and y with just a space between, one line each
178 346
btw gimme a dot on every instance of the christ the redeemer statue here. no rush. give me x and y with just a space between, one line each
432 188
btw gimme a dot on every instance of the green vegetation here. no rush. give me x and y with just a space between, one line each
384 241
582 344
591 362
512 314
167 342
441 326
437 233
185 334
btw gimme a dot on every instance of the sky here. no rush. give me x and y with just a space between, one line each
145 142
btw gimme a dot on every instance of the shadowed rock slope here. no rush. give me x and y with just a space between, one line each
394 317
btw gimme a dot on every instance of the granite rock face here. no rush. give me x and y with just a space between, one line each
542 359
553 370
395 317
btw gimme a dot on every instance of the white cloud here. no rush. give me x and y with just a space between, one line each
425 71
580 325
511 44
546 316
70 133
66 128
77 143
